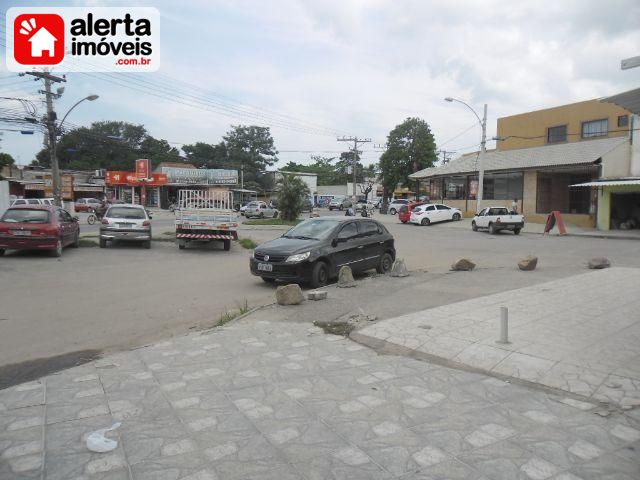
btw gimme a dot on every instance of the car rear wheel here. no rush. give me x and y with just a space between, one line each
424 222
492 229
404 221
275 214
1 252
261 214
103 243
474 227
456 217
393 211
76 241
57 252
319 274
147 244
386 263
340 208
91 219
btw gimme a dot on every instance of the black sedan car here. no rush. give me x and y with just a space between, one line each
313 251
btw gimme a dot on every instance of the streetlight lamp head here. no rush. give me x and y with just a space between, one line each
448 99
91 98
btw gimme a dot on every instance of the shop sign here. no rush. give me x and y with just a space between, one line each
131 179
196 176
67 187
142 168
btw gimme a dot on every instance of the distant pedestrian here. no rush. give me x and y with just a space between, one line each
514 205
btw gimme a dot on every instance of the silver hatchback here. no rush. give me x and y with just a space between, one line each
126 223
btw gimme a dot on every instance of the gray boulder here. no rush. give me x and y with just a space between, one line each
528 263
345 278
598 263
463 265
399 269
289 294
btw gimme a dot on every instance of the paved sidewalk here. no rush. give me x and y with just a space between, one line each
580 334
260 399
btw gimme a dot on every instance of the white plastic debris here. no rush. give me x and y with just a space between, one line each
97 442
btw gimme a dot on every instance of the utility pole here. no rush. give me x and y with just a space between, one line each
355 141
446 154
51 130
483 151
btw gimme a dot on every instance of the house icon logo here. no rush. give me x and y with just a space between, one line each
38 39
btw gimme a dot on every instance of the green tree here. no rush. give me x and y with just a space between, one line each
207 155
5 161
410 147
252 149
292 192
109 144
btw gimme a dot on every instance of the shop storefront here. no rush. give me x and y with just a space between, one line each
128 187
194 178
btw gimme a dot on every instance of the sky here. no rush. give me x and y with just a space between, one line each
314 70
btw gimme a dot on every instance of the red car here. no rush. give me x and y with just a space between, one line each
404 214
38 227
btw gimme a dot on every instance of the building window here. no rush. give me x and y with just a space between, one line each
503 186
454 188
557 134
623 121
595 128
554 192
436 189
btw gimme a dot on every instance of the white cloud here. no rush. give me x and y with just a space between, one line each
362 66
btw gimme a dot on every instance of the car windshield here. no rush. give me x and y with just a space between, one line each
24 215
312 229
126 212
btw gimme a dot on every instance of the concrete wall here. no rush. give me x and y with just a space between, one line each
4 196
617 163
535 124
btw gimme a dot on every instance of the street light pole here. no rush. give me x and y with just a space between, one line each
53 132
483 149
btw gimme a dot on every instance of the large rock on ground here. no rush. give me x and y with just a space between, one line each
463 265
528 263
399 269
345 278
289 294
599 262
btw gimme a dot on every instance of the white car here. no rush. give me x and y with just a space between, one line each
395 205
260 210
32 201
433 213
126 223
497 218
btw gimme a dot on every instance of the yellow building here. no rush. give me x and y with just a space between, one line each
575 122
582 160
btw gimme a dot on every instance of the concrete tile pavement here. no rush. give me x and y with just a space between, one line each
264 399
579 334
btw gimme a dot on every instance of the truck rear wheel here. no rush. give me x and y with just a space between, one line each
227 245
492 229
516 231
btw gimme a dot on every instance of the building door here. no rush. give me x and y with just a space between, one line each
625 211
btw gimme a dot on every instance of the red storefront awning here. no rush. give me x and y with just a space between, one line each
130 178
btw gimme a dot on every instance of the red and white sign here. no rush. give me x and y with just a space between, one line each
38 39
131 179
142 168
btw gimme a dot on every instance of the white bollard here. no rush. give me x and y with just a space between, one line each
504 325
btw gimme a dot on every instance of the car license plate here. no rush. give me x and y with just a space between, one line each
22 233
265 267
125 225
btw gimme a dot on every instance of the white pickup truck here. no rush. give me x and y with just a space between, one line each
205 216
497 218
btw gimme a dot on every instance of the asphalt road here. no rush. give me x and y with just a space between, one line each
95 299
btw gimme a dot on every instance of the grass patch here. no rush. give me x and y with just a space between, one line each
335 327
229 315
247 243
85 242
271 221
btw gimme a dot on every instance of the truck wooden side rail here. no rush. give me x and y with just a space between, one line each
204 216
